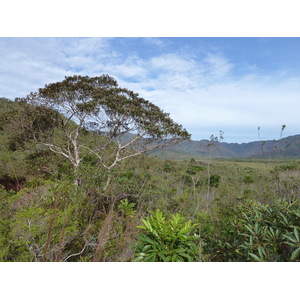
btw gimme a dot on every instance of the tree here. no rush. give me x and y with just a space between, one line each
124 125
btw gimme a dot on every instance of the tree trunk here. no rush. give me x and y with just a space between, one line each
107 182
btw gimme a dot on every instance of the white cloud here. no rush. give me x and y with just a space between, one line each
218 66
234 104
199 93
156 41
172 63
127 71
85 46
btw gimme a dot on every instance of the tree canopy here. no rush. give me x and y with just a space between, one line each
127 123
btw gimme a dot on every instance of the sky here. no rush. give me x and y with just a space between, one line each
233 84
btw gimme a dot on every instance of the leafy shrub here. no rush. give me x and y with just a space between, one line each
260 232
193 169
248 179
127 209
287 167
214 180
166 240
168 167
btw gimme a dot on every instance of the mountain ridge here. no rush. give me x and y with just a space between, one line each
287 147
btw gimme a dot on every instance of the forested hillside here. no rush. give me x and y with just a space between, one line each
82 189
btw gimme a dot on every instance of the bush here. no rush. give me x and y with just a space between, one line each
193 169
214 180
248 179
166 240
260 232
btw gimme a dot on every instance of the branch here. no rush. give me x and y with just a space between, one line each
125 157
94 152
76 254
130 142
138 151
59 150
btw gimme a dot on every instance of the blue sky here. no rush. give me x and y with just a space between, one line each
206 84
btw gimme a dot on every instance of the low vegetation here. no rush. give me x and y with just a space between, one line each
141 209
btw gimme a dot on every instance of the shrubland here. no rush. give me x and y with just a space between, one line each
141 209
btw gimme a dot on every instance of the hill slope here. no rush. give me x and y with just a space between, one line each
288 147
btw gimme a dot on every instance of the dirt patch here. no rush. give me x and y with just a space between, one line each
12 184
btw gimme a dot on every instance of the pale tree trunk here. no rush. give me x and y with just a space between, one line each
107 182
73 154
76 179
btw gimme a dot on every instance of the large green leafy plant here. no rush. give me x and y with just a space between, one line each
166 240
260 232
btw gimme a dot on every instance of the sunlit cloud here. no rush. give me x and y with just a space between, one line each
201 90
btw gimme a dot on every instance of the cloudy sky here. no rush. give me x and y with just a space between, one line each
206 84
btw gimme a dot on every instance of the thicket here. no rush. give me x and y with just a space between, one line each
152 210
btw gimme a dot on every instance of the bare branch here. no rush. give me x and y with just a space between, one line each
58 150
76 254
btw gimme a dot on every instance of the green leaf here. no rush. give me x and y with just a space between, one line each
151 258
139 257
256 226
176 258
260 252
251 240
254 256
162 256
290 244
297 213
147 225
145 238
250 229
183 254
290 238
295 254
147 247
284 217
296 234
141 227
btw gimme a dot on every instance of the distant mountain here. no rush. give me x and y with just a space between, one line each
288 147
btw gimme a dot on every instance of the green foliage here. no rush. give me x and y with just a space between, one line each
28 122
214 180
40 223
44 216
166 240
36 230
248 179
168 168
127 209
260 232
193 169
287 167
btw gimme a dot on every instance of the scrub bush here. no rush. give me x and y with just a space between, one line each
259 232
166 240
